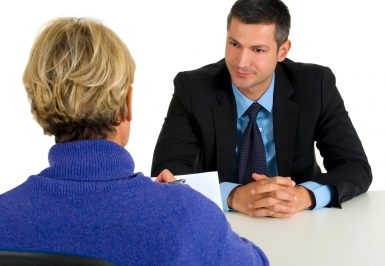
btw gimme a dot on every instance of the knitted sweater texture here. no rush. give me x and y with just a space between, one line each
90 202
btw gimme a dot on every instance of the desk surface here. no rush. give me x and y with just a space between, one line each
353 235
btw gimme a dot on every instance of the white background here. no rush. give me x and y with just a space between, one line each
166 37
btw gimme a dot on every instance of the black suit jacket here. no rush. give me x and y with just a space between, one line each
199 132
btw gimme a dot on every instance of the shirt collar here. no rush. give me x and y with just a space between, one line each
266 100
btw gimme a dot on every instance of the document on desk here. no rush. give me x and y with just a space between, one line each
206 183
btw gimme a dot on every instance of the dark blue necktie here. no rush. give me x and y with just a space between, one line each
252 157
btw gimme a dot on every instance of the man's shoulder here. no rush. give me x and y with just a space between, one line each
301 69
291 66
210 71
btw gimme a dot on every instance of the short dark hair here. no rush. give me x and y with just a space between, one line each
263 12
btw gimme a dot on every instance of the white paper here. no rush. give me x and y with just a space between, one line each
206 183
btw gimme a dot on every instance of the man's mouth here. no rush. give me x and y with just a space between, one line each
242 74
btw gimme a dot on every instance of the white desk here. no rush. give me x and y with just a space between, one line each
354 235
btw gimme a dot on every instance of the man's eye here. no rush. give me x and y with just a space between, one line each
259 50
234 43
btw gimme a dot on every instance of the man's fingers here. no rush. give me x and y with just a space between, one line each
264 212
285 181
283 195
165 176
265 188
272 204
264 202
280 208
258 177
271 184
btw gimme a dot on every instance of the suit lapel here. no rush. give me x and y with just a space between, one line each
225 122
285 119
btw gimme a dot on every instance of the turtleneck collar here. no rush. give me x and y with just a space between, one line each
89 160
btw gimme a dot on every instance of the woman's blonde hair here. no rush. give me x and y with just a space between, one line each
77 79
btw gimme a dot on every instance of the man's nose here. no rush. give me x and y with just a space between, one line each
243 58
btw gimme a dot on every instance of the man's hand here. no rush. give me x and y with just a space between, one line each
303 199
165 176
275 197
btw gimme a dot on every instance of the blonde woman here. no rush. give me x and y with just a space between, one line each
89 201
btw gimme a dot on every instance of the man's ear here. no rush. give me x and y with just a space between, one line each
129 104
284 50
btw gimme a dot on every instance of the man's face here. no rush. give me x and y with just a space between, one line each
252 55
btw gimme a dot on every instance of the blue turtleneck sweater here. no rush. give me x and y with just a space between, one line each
90 202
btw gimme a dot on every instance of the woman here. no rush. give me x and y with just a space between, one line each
89 201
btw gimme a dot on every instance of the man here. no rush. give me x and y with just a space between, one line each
89 201
295 105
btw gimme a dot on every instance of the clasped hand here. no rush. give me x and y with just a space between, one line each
277 197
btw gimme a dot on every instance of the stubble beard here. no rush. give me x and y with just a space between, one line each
251 88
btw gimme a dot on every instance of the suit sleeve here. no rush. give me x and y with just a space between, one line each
178 141
348 170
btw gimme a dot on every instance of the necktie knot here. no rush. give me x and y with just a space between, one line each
253 110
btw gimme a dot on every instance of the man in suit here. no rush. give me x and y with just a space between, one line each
299 103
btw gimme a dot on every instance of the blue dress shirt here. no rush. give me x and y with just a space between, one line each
322 193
